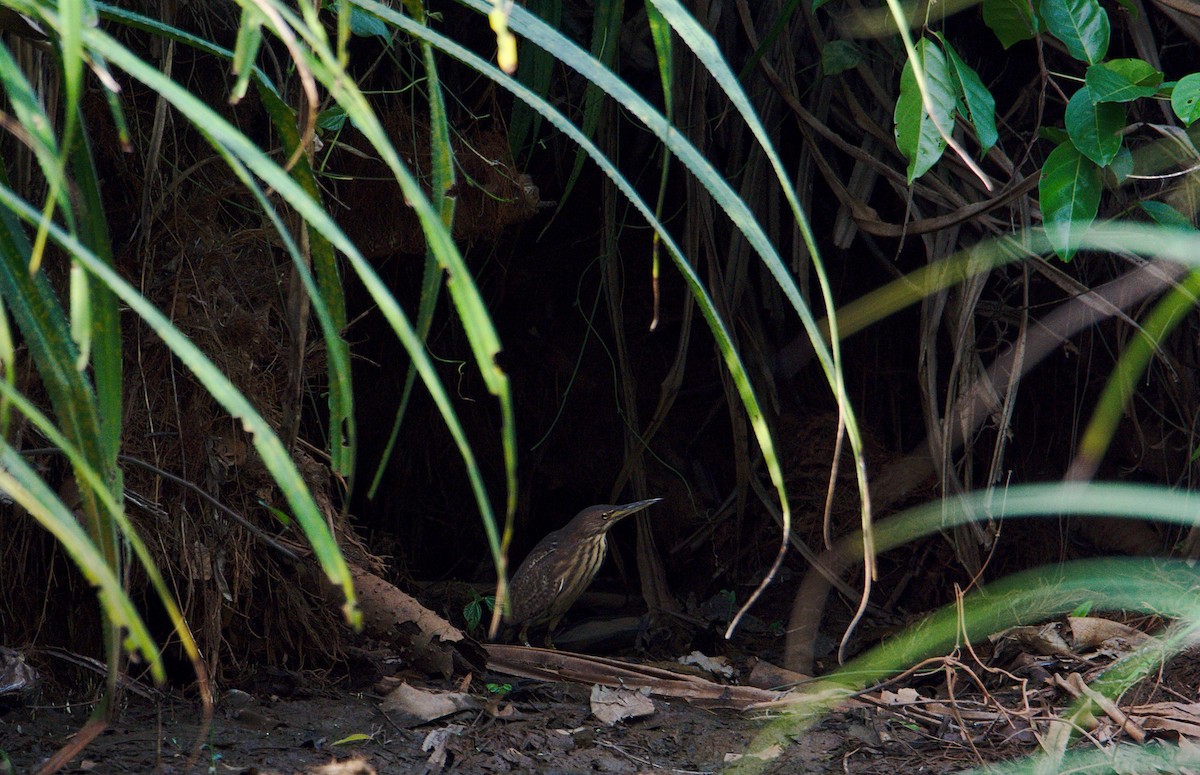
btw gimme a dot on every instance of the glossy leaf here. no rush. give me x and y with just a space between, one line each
1165 215
1081 25
977 104
1121 166
1069 193
1094 128
917 133
1011 20
839 56
1122 80
1185 98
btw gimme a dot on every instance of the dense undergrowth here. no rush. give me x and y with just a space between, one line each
1001 215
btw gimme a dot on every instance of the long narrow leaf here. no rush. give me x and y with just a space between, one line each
235 142
23 485
273 455
674 141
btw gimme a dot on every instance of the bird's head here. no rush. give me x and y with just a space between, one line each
596 520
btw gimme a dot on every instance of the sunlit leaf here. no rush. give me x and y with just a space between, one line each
1185 98
1122 80
917 131
1011 20
366 25
978 105
1081 25
1094 129
1069 193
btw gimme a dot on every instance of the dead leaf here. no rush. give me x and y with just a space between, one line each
1043 639
1179 718
1107 637
611 705
767 754
436 742
905 696
765 675
718 666
415 706
353 766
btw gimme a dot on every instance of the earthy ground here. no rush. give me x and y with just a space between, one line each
972 708
550 731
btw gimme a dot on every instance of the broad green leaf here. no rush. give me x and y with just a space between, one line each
1069 194
978 106
838 56
1165 215
1011 20
1122 165
1185 98
1094 129
1054 134
1082 26
1122 80
917 131
332 119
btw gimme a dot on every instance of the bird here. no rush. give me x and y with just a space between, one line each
562 565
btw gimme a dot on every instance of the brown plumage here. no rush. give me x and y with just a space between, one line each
561 567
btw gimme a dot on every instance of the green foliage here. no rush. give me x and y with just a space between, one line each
1122 80
921 126
1095 119
1185 98
924 119
839 56
1012 20
1081 25
1069 190
1093 126
473 611
976 104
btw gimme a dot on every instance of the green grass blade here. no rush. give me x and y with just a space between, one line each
270 450
469 305
1113 402
23 485
105 335
113 507
675 141
329 303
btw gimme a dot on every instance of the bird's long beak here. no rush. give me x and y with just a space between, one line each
631 508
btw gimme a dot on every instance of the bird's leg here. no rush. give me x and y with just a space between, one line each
550 631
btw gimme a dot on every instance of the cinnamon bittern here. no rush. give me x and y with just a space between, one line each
561 567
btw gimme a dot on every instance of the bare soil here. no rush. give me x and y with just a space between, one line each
550 731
